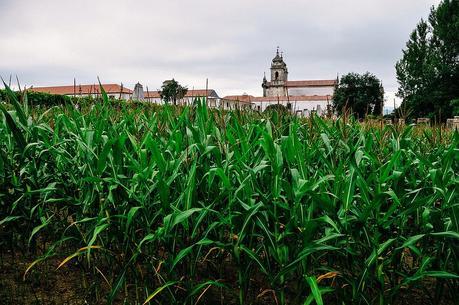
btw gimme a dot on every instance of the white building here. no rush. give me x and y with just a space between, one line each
113 91
213 100
300 96
301 105
188 99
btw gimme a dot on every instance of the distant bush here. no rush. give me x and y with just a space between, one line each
47 100
39 98
276 107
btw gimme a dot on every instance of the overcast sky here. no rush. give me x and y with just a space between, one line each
49 42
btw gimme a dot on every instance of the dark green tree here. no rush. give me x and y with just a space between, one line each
276 107
171 91
428 73
360 94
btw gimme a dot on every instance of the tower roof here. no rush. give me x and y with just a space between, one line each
277 58
278 61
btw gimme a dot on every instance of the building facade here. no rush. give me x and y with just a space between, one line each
212 98
301 97
279 78
279 85
188 99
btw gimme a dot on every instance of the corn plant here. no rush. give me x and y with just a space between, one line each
190 205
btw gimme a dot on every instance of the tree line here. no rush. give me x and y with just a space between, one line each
427 73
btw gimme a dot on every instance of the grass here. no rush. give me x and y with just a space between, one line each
173 205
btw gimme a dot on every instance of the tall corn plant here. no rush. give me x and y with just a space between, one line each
181 205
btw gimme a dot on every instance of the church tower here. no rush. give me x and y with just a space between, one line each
279 76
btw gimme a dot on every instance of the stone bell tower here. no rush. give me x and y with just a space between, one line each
138 92
279 76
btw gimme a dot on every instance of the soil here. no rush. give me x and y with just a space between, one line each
40 286
45 285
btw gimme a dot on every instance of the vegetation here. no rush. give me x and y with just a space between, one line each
428 72
277 107
171 91
190 206
41 99
361 94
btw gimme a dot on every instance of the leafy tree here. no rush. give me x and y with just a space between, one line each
276 107
171 91
428 73
455 107
361 94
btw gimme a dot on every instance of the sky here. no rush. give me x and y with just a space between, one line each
230 43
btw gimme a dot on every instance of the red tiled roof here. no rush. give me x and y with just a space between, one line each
151 94
311 83
189 93
241 98
83 89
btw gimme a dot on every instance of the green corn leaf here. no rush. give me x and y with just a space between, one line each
449 234
315 289
12 97
44 223
102 91
17 134
206 284
157 291
130 217
8 219
411 240
254 257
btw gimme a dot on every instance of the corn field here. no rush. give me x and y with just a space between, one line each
170 205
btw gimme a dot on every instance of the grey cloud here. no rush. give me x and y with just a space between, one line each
230 42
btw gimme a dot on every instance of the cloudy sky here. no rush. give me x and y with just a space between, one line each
51 42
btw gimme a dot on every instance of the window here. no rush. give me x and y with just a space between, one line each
276 75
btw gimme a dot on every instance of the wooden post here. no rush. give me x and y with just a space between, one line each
148 94
192 96
207 88
288 101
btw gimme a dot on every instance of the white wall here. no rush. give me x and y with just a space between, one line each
302 106
305 107
124 96
311 91
211 102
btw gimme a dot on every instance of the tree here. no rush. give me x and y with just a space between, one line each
361 94
171 91
276 107
428 72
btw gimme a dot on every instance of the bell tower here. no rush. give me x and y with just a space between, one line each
279 76
279 72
